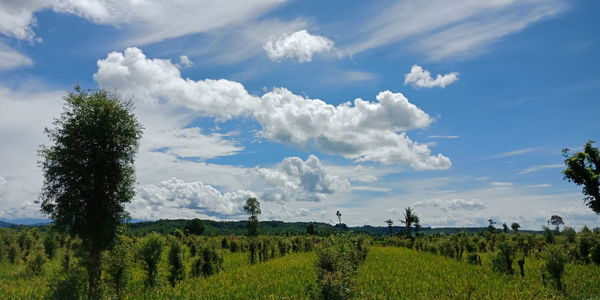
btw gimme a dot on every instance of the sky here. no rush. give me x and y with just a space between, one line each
459 110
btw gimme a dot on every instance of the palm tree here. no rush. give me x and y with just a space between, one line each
409 218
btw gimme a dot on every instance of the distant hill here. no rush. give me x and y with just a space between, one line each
5 224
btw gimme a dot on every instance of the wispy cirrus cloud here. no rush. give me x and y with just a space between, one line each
540 168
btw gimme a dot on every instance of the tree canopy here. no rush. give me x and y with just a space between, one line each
583 168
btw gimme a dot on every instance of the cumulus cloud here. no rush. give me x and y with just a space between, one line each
296 180
196 196
300 45
452 204
361 131
420 78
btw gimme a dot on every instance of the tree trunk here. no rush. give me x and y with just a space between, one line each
94 273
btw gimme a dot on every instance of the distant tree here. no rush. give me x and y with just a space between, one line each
515 226
339 215
583 168
409 219
504 228
390 223
310 229
491 227
252 207
194 226
556 220
417 227
89 172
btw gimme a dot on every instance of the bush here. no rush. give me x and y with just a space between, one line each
473 259
13 253
50 244
502 260
35 263
118 262
151 253
213 261
337 262
176 267
595 254
554 265
70 285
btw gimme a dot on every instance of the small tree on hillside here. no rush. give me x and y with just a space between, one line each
89 172
252 207
339 215
583 168
504 228
491 227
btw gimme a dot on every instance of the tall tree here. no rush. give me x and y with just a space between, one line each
583 168
252 207
194 226
409 219
89 172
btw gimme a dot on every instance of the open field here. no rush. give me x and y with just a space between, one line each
387 273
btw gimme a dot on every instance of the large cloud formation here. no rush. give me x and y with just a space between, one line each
362 131
295 179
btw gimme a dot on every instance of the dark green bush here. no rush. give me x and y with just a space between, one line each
151 252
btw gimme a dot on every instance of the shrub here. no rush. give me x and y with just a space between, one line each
502 260
35 263
50 244
337 262
176 267
151 253
213 261
585 243
118 262
554 265
473 259
13 253
595 254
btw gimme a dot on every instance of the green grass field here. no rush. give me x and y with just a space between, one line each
387 273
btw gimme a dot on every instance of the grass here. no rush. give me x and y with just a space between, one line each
387 273
399 273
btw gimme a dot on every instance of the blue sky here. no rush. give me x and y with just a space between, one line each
228 94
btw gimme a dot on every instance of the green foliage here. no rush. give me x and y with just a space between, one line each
118 264
583 168
194 226
50 244
176 266
554 265
89 172
336 266
595 254
35 263
252 207
151 252
503 259
213 261
13 253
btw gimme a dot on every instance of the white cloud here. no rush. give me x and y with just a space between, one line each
513 153
501 183
196 196
442 30
10 58
190 142
420 78
535 186
297 180
300 45
452 204
539 168
185 61
146 21
444 136
362 131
